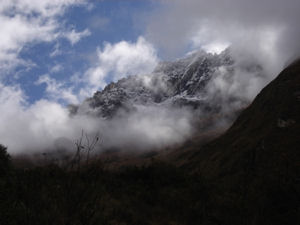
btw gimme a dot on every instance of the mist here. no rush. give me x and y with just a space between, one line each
47 126
261 36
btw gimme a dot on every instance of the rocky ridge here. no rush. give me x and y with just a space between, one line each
178 83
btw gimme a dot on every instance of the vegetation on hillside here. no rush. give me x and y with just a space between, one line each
155 194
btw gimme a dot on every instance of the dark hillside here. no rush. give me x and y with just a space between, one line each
266 136
256 163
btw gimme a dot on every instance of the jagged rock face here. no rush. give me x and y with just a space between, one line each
179 83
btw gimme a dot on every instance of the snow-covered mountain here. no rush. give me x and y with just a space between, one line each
184 83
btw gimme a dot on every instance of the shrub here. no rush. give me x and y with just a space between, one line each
5 161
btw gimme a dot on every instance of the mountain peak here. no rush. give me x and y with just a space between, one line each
171 83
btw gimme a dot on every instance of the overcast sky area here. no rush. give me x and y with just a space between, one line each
59 52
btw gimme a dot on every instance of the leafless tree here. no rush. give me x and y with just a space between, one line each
84 146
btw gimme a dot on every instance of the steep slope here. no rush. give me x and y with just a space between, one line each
267 132
256 163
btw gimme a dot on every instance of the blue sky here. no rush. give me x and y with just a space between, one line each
62 58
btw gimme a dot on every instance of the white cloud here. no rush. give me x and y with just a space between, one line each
119 60
57 68
45 8
268 27
73 36
36 127
148 127
27 21
56 51
16 32
57 91
113 62
215 47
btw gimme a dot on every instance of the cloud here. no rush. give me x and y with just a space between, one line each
57 68
56 50
262 35
113 62
45 8
58 90
268 27
29 128
16 32
234 87
40 126
147 128
47 121
119 60
214 48
24 22
73 36
37 126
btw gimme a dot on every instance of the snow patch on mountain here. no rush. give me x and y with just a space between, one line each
195 93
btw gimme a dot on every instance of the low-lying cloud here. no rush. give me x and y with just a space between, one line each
28 128
42 126
147 128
